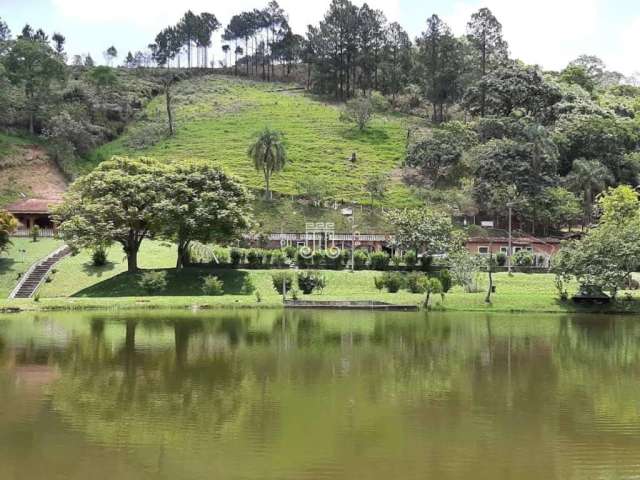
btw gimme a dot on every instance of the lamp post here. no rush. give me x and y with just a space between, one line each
350 214
510 206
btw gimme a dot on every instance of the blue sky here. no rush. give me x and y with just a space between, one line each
546 32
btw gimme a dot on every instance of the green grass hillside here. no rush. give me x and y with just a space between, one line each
217 117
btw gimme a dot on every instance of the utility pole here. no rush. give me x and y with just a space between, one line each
509 252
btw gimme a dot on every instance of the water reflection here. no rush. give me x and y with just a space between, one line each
270 394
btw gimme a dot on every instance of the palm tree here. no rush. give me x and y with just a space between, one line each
589 177
268 154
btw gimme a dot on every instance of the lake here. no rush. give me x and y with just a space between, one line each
250 394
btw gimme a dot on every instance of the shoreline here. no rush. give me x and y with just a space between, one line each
177 303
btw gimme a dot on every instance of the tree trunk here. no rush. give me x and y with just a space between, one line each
183 253
132 262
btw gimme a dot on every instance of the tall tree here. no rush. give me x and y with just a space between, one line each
202 204
110 54
397 61
439 65
269 155
58 42
33 65
484 32
119 201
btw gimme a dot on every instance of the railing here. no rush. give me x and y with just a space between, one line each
336 237
44 233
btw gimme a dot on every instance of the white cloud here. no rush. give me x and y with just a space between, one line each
545 32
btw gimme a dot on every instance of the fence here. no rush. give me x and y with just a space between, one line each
44 232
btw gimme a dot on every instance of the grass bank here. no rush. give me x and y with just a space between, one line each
79 285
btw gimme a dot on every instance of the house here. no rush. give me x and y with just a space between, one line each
497 241
33 211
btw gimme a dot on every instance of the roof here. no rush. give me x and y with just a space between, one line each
496 235
32 205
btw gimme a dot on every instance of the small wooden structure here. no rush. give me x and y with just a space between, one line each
33 211
349 305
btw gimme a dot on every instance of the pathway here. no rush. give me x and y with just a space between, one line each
37 273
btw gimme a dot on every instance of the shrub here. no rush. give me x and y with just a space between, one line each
317 258
212 285
279 278
334 259
237 256
396 260
278 258
309 281
99 256
446 280
302 260
433 286
379 260
523 259
153 281
501 259
291 252
426 261
255 257
248 287
35 233
379 282
416 282
360 258
393 281
410 258
221 254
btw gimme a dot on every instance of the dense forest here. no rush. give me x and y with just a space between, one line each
492 131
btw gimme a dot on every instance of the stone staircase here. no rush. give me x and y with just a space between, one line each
36 275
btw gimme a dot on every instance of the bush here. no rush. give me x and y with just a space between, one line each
523 259
426 261
393 281
334 259
317 258
153 281
255 257
309 281
501 259
446 280
248 287
302 260
417 282
379 282
212 285
396 260
278 258
279 278
291 252
379 260
35 233
237 256
99 257
221 254
360 258
410 259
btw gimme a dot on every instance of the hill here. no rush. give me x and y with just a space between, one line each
217 118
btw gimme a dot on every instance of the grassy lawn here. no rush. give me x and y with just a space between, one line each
77 284
13 262
218 117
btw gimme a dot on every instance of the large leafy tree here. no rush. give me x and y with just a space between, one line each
33 65
202 204
120 201
269 155
608 254
514 88
421 229
484 32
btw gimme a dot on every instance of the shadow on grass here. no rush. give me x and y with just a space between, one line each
93 271
7 264
185 282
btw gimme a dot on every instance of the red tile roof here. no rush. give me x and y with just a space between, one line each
32 205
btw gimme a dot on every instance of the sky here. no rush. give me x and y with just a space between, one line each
549 33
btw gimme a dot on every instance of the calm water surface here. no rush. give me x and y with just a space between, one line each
300 395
